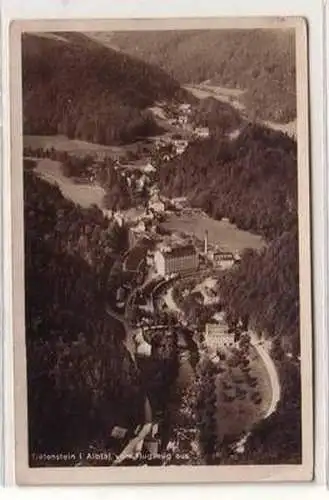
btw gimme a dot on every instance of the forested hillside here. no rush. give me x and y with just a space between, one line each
75 86
262 62
219 117
81 380
252 180
278 439
264 290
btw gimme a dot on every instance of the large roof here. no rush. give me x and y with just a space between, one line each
181 251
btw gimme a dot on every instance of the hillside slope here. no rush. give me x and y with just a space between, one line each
262 62
75 86
81 380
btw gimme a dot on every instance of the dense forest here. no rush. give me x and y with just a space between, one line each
81 380
278 439
75 86
252 180
259 61
219 117
264 290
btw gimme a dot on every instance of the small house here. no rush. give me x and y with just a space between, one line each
118 432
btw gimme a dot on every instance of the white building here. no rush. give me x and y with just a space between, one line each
223 260
155 429
202 132
157 205
143 348
140 183
185 107
218 337
180 202
140 227
118 432
119 218
219 317
107 213
182 120
181 148
175 260
154 192
148 168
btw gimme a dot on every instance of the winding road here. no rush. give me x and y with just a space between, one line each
169 300
272 371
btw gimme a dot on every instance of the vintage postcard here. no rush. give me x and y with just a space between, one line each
161 251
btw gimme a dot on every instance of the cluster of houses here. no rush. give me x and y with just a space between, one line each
180 116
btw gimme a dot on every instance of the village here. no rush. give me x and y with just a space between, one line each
172 291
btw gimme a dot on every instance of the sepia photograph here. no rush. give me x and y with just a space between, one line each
162 272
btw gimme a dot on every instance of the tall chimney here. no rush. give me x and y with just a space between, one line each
206 242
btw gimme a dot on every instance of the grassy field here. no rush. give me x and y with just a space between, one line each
81 194
73 146
221 233
238 416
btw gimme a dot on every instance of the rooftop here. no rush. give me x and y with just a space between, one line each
222 253
180 251
216 329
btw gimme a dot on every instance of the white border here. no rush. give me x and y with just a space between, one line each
312 10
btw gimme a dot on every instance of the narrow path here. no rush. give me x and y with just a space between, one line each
170 302
128 341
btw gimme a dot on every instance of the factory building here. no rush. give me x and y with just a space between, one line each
176 260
